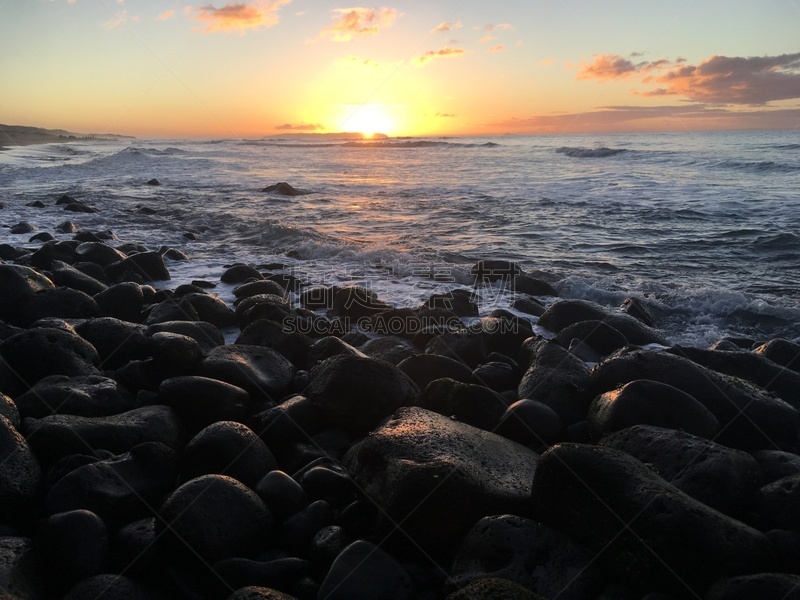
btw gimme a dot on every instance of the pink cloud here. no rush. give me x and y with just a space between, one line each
443 27
300 127
442 53
496 49
356 21
241 16
166 15
606 66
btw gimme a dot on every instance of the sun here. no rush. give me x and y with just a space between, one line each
368 119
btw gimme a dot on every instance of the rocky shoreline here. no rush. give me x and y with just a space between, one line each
345 448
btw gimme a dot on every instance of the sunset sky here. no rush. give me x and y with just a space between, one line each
256 68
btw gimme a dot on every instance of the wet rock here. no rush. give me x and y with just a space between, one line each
264 306
211 309
282 494
172 309
461 302
358 393
89 396
471 404
79 207
117 342
41 237
364 571
284 189
119 489
393 350
354 302
496 375
488 271
19 285
176 354
504 332
525 284
262 286
123 301
749 418
652 535
327 347
100 253
529 306
278 573
424 368
154 181
32 355
61 302
528 553
419 465
782 352
205 334
23 227
252 592
638 309
58 435
776 464
135 550
20 577
73 546
214 516
20 475
227 448
9 410
762 585
599 336
557 379
201 401
749 366
240 274
778 503
147 265
298 531
530 423
292 420
262 372
111 587
465 347
567 312
645 402
292 345
68 276
720 477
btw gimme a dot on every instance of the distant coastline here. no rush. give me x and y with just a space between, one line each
20 135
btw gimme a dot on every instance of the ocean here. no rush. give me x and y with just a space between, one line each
703 227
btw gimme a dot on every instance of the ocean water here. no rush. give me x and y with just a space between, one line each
705 228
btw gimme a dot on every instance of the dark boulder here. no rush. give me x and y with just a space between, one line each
86 396
363 571
111 587
262 372
201 401
358 393
117 342
20 475
175 354
19 285
22 227
489 271
32 355
240 273
100 253
389 349
459 301
73 546
123 301
354 302
494 588
529 306
213 517
649 534
567 312
58 435
424 368
284 189
749 418
645 402
293 420
20 575
419 465
504 334
720 477
282 494
68 276
227 448
782 352
327 347
496 375
599 336
60 302
205 334
528 553
172 309
149 266
471 404
263 286
778 503
762 585
294 346
253 592
524 284
557 379
211 309
466 347
776 464
530 423
9 409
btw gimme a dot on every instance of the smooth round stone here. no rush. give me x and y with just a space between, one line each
73 546
123 301
465 347
9 410
364 572
762 585
201 401
20 475
227 448
494 588
111 587
61 302
262 372
471 404
282 494
149 266
136 551
495 375
211 309
599 336
261 286
175 353
424 368
205 334
530 423
240 274
118 342
646 402
393 350
20 575
92 396
252 592
215 516
282 573
298 531
778 502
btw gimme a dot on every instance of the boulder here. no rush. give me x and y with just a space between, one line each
100 253
111 587
420 466
749 418
493 588
123 301
201 401
358 393
284 189
149 266
60 302
782 352
424 368
73 546
262 372
530 423
649 534
471 404
213 517
389 349
327 347
599 336
253 592
31 355
529 554
778 503
776 464
720 477
263 286
227 448
496 375
489 271
292 345
205 334
85 396
119 489
58 435
646 402
20 577
240 273
117 342
363 571
20 476
525 284
211 309
762 585
354 302
68 276
466 347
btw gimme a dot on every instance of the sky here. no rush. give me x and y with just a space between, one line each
255 68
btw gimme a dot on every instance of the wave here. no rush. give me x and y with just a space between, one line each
600 152
366 144
787 146
777 242
763 166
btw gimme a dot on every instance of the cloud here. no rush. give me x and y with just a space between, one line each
241 16
545 62
442 53
446 115
489 29
496 49
356 21
299 127
121 18
364 62
606 66
444 26
754 80
166 15
692 117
